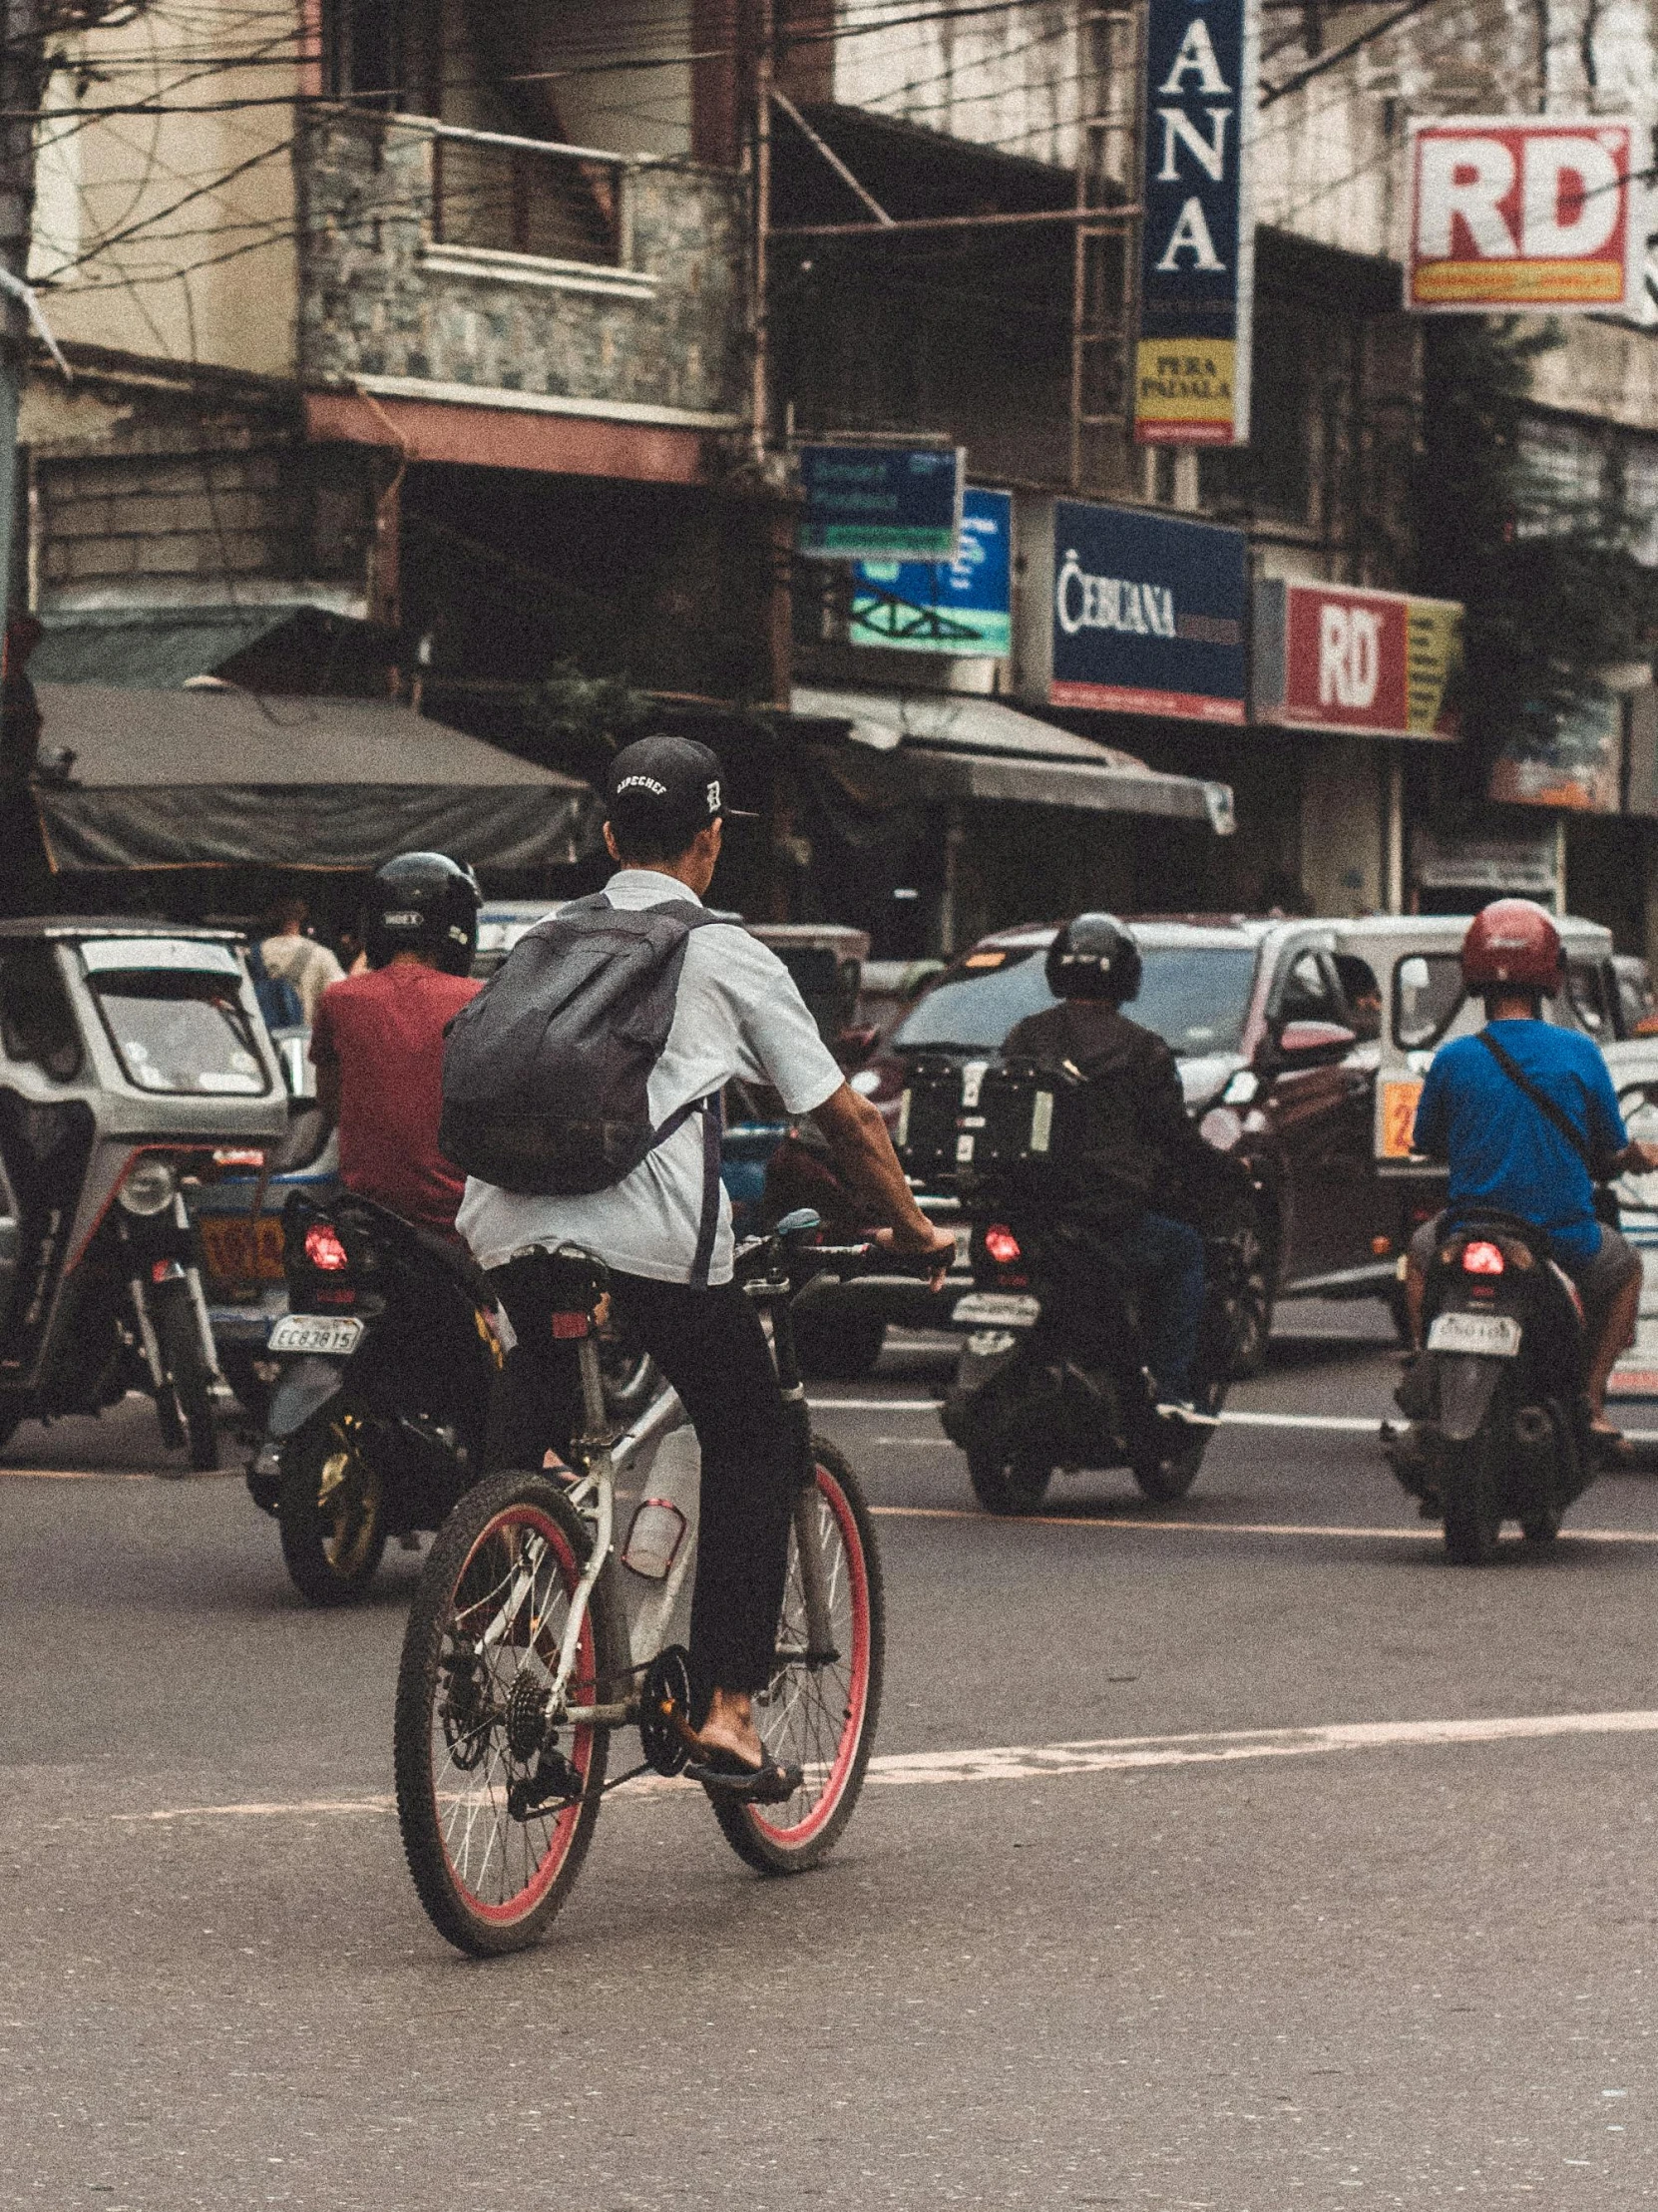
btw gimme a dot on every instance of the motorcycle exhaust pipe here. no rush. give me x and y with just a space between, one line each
1536 1444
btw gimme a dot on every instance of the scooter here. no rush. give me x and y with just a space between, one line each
386 1357
1028 1401
1500 1424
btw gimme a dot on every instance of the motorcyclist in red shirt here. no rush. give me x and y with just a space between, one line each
377 1042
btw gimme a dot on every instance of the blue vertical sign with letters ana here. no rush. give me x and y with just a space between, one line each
1191 367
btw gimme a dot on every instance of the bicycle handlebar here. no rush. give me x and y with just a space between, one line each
781 1254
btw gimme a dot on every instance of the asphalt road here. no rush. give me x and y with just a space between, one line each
1343 1893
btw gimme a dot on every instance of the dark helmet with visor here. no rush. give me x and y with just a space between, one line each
426 903
1094 957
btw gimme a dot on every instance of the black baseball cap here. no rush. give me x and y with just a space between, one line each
666 789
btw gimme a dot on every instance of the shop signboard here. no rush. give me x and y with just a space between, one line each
961 606
1191 382
1484 867
1517 211
861 503
1379 664
1136 613
1575 762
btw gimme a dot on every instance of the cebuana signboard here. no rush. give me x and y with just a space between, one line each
1134 612
1191 380
1526 211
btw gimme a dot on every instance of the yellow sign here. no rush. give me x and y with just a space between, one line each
1183 392
1398 1118
1432 660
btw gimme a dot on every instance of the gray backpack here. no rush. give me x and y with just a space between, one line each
546 1072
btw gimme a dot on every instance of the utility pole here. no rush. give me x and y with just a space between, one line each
764 73
22 69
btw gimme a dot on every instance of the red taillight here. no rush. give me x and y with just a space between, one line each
1481 1258
325 1250
1002 1245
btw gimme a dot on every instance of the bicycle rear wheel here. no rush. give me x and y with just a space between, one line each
819 1714
497 1810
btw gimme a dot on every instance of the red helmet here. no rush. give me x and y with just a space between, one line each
1515 942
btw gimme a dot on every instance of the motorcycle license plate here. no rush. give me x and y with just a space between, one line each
964 1243
1495 1335
997 1309
306 1332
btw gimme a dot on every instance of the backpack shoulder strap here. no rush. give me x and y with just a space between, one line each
1552 1113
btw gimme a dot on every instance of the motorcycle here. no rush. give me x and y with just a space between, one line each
386 1357
134 1064
1500 1423
1028 1400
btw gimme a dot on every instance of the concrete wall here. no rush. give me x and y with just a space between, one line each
372 305
1009 78
172 235
191 497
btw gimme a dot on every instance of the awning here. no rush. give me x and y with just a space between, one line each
180 780
302 646
950 746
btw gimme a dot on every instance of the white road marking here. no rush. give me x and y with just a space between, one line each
1055 1761
1339 1424
874 1405
1422 1531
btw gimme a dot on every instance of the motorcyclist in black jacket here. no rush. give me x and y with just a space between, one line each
1140 1141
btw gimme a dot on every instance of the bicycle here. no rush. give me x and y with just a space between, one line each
523 1652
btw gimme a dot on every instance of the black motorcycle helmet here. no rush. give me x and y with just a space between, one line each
423 902
1094 957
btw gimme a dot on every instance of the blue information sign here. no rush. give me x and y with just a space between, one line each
875 502
962 605
1146 614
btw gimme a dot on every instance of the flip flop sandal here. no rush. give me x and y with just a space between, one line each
771 1784
1613 1448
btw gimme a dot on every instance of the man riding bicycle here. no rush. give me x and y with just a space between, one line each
665 1233
1526 1118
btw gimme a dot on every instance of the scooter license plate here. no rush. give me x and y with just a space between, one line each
305 1332
998 1309
1494 1335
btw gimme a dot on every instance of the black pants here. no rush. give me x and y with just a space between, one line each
712 1347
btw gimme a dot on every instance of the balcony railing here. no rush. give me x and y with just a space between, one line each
492 193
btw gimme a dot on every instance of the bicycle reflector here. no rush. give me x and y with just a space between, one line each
1002 1244
1482 1257
324 1249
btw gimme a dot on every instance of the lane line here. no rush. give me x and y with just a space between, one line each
874 1405
1056 1761
1339 1424
1425 1532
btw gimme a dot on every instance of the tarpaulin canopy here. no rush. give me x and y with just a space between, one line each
948 745
188 778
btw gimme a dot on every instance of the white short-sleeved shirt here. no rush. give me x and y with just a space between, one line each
738 1014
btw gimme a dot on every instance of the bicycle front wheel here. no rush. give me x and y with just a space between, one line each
819 1710
497 1807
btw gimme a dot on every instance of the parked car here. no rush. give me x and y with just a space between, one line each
1280 1028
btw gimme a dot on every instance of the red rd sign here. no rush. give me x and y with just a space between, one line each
1526 211
1332 656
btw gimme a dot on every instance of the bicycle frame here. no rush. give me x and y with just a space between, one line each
605 1459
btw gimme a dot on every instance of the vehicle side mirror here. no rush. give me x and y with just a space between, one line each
1308 1044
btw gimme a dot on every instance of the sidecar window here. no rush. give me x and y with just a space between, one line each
37 1022
181 1033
